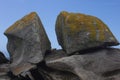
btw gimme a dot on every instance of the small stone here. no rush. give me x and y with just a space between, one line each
76 34
27 43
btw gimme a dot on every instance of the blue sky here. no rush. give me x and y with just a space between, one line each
12 10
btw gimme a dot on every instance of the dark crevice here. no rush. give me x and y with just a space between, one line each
13 77
88 51
111 73
43 66
36 75
3 59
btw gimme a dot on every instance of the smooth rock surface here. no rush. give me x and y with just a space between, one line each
103 64
76 31
27 43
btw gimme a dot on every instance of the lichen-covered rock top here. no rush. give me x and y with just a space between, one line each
26 20
76 31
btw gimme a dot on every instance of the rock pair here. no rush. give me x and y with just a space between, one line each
84 56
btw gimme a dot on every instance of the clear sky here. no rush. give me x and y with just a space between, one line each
12 10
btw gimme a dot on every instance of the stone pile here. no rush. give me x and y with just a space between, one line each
86 52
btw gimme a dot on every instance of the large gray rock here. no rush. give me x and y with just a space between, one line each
76 32
27 43
103 64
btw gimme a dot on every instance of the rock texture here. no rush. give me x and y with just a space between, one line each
86 52
27 43
53 74
95 65
76 32
4 69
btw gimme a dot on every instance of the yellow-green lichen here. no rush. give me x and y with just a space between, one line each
81 22
22 22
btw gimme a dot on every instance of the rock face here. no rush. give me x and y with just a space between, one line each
85 55
96 65
27 43
76 32
53 74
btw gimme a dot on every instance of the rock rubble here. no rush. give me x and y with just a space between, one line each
86 52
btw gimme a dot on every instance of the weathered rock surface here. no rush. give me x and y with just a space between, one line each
2 58
27 43
103 64
55 54
46 73
52 74
77 32
4 69
85 53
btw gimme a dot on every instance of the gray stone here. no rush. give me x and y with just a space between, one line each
102 64
43 72
4 69
76 32
27 43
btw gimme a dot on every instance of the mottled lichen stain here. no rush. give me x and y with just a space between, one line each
22 22
76 22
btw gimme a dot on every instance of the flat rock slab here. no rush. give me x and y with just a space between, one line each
103 64
27 43
76 32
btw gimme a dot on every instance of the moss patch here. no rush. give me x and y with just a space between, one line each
76 22
22 22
